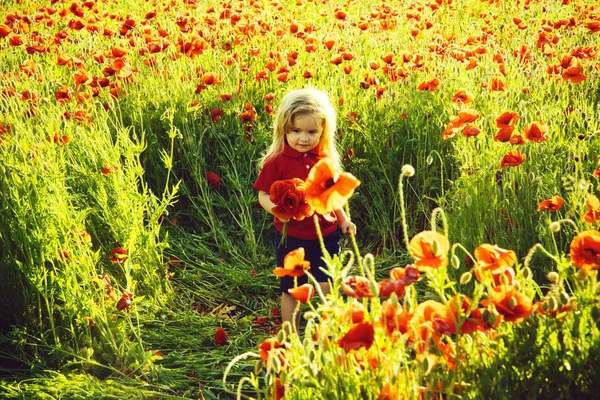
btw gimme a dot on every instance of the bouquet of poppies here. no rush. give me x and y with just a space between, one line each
289 197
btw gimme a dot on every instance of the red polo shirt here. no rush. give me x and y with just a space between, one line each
294 164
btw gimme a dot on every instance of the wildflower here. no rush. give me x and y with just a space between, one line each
429 85
266 346
289 197
125 301
461 98
593 213
118 255
585 252
360 335
512 304
408 170
357 286
429 249
512 159
303 293
554 204
213 180
536 131
494 263
293 264
326 190
220 337
107 169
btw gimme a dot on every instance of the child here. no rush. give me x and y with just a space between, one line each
303 133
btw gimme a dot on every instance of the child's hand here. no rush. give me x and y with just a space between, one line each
348 226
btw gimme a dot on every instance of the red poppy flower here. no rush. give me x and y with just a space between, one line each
220 337
596 173
512 159
573 74
585 252
293 264
118 255
507 118
213 180
289 198
326 190
125 301
303 293
554 204
429 249
593 213
360 335
357 286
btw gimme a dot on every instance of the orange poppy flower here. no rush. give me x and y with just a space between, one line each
593 213
107 169
303 293
516 139
360 335
210 78
536 132
393 318
461 98
430 85
5 30
294 264
498 84
585 252
573 74
596 173
491 256
266 346
474 321
512 304
289 198
467 115
429 249
498 276
28 67
512 159
554 204
326 190
436 316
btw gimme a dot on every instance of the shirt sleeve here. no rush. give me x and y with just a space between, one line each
267 175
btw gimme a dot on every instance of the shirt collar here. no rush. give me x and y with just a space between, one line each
288 151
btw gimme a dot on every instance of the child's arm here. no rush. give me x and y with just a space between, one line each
265 201
344 222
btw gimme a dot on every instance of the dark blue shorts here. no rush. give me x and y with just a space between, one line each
313 254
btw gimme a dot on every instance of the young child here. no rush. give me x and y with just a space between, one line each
303 133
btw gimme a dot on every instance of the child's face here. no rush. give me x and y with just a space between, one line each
305 132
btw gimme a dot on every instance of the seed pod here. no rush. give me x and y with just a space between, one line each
394 300
512 303
466 278
552 303
527 274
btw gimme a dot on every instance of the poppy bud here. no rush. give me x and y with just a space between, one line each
465 278
581 274
455 261
281 336
553 276
307 383
555 227
394 300
408 170
552 303
563 299
258 366
488 317
504 279
527 273
512 302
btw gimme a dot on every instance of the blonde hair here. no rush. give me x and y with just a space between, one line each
305 101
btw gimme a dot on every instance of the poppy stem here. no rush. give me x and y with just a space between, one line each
403 210
532 251
355 245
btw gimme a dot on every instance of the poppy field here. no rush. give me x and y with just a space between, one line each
137 263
